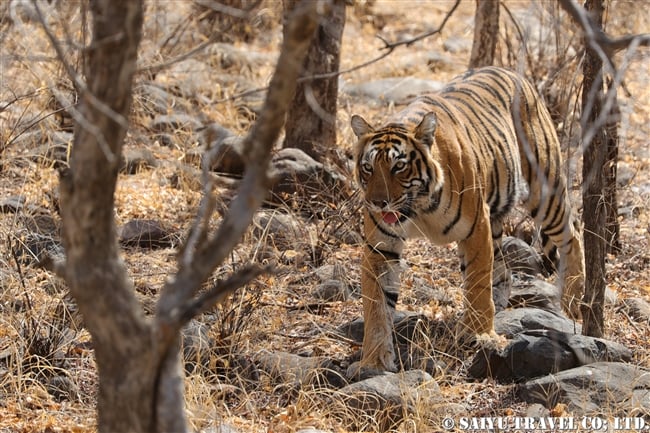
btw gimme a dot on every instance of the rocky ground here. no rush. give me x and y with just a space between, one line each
273 357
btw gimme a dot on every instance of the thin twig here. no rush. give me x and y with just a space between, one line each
388 46
602 44
219 291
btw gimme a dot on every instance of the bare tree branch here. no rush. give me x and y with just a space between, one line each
602 44
388 46
196 266
220 290
216 6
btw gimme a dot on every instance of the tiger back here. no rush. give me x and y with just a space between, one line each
450 167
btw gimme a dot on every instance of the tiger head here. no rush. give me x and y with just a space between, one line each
395 167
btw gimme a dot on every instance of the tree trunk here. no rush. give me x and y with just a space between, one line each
486 33
311 121
593 169
95 274
138 359
612 226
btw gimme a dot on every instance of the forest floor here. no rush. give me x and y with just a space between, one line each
41 335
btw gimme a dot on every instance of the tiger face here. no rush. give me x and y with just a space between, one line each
395 168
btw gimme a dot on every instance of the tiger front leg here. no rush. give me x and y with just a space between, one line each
477 257
379 289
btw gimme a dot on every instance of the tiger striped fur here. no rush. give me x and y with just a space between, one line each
449 167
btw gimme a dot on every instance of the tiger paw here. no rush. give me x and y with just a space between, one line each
357 372
491 341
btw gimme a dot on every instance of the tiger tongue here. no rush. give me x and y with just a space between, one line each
390 217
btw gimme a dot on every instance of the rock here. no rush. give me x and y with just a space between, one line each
136 159
332 291
521 257
398 89
501 292
12 204
43 224
34 247
637 308
414 339
54 154
197 345
280 230
172 123
611 297
536 353
298 371
214 134
537 410
333 287
225 156
221 428
62 388
312 430
297 176
232 57
455 45
381 402
605 388
405 323
154 98
146 233
535 293
189 78
511 322
625 173
347 233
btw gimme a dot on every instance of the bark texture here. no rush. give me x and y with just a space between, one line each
311 121
94 272
486 33
138 360
593 194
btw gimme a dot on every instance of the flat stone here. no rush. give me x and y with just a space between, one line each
12 204
398 89
146 233
380 403
174 122
637 308
535 293
521 257
536 353
299 371
514 321
610 389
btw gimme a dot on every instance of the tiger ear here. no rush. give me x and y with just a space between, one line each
360 126
427 127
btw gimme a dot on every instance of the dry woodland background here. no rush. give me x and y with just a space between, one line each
47 374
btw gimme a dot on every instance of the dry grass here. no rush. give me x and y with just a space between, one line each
42 337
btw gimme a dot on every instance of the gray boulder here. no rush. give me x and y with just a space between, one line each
536 353
602 389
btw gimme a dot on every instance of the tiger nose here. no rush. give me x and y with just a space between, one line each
381 204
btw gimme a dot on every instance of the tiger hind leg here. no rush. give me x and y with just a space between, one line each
561 234
501 275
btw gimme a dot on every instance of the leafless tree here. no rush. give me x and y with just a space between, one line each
140 379
311 121
486 33
598 122
594 161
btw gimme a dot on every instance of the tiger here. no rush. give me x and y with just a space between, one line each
449 167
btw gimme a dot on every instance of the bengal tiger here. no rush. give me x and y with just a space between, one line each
450 166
